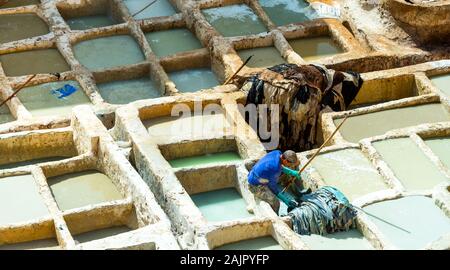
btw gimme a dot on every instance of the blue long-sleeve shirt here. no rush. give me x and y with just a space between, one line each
267 171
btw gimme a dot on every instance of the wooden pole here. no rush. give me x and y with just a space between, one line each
17 91
239 69
144 8
318 150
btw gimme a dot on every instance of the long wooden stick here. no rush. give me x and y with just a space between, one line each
318 150
17 91
144 8
239 69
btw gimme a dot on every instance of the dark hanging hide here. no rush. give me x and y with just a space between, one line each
303 93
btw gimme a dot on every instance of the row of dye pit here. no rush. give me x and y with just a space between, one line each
92 203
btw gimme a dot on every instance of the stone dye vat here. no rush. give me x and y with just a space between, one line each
409 164
420 220
168 42
441 148
46 244
221 205
81 189
262 57
350 240
20 200
19 3
107 52
126 91
40 101
349 171
443 83
312 49
32 62
191 80
186 127
158 9
5 114
21 26
261 243
234 20
214 158
372 124
100 234
283 12
88 22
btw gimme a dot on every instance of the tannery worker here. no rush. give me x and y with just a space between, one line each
264 177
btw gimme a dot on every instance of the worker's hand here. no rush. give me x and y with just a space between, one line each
291 172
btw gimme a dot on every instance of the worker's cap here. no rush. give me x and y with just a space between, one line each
290 156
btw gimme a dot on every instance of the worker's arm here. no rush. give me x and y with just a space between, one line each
291 172
282 196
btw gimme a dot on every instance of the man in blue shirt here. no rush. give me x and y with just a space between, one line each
264 176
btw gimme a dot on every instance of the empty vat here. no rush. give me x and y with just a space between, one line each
108 52
126 91
221 205
88 22
378 123
18 3
20 200
100 234
166 128
261 243
283 12
312 49
158 9
5 114
443 83
213 158
46 244
441 148
262 57
419 219
168 42
191 80
21 26
33 62
234 20
409 164
81 189
40 101
349 171
349 240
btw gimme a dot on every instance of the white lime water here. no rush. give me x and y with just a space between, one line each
45 244
18 3
158 9
443 83
81 189
192 80
88 22
312 49
419 220
168 42
40 101
283 12
261 243
262 57
349 240
440 147
5 114
20 200
213 158
126 91
21 26
378 123
107 52
221 205
409 164
100 234
234 20
349 171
